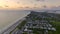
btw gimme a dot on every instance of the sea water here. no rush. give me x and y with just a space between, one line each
8 17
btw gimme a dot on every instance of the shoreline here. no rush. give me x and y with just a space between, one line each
9 28
12 26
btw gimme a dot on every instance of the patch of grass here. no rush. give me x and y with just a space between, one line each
57 26
21 24
25 33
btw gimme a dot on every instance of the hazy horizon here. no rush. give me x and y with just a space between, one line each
18 4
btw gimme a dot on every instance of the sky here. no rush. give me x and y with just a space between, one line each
15 4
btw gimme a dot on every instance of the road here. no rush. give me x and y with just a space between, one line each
8 30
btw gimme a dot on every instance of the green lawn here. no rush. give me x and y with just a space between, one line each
57 26
21 24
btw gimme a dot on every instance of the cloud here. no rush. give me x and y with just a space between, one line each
1 7
6 6
18 2
44 6
40 0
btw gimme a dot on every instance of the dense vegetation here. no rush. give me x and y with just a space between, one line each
21 24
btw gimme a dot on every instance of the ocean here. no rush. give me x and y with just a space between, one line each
7 17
